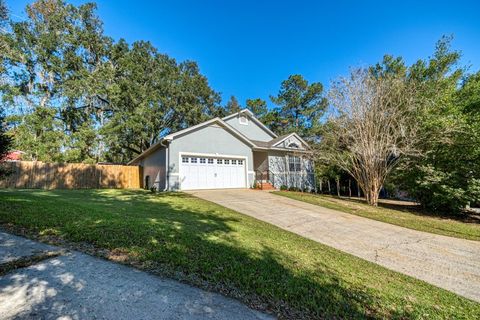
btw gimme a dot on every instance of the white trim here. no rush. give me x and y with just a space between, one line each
281 149
254 119
300 162
245 122
284 138
211 155
250 113
171 136
152 148
297 136
223 124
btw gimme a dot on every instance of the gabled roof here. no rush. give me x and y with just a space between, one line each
209 122
279 140
171 136
253 118
273 144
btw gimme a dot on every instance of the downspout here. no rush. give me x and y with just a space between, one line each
166 143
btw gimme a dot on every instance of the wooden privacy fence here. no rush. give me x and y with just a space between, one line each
40 175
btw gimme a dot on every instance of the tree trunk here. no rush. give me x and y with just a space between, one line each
372 193
338 186
328 185
358 190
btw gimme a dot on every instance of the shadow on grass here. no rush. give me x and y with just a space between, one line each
197 244
412 208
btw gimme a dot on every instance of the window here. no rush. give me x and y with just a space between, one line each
293 145
234 162
203 160
193 160
210 161
243 120
240 162
219 161
184 160
227 161
294 163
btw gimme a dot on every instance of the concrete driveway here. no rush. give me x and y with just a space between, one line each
73 285
449 263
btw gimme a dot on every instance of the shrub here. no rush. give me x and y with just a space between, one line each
437 191
283 187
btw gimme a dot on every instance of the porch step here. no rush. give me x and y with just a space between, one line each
267 186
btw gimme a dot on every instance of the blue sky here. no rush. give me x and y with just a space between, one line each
246 48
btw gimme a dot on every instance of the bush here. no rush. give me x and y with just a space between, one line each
438 191
283 187
474 192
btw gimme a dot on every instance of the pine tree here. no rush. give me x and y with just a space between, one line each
232 106
300 106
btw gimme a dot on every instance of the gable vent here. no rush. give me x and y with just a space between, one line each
243 120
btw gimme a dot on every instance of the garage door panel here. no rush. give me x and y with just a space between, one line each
212 172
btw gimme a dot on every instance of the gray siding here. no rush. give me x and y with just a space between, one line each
215 140
208 140
281 176
154 167
251 131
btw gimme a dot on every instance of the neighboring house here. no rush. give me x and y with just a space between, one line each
233 152
15 155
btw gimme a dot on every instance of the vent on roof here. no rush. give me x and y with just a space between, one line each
243 120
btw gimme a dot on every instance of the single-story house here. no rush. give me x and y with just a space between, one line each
236 151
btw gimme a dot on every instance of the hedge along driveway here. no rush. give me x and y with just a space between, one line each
213 247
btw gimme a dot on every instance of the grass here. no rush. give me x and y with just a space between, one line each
216 248
404 216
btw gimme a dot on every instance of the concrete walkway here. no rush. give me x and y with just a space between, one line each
77 286
449 263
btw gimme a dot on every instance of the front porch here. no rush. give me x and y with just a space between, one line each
279 169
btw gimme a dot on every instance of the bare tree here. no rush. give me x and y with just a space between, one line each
370 128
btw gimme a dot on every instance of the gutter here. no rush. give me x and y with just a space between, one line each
281 149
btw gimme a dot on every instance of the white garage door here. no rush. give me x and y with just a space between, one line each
211 172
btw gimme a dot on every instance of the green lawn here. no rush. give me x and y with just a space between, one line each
403 216
213 247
